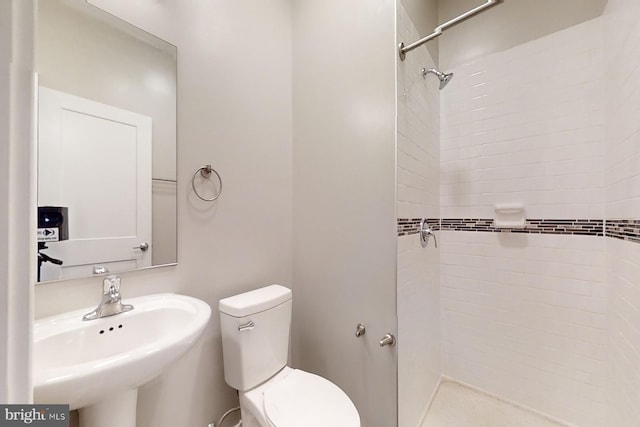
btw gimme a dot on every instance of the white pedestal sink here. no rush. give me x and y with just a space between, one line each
96 366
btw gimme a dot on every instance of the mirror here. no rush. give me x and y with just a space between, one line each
106 144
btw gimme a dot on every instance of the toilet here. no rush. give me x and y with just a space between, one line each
255 343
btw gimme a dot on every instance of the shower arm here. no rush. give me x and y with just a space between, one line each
450 23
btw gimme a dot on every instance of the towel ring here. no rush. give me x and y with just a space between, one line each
205 172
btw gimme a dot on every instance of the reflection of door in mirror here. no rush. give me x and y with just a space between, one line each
87 53
90 154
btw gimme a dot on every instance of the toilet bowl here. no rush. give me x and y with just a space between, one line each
255 342
295 398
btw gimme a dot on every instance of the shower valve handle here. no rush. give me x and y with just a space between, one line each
388 339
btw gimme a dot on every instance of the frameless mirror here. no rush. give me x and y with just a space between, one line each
106 144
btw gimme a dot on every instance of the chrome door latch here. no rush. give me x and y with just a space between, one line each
144 246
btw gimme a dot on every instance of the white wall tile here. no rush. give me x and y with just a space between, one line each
418 196
623 103
553 124
524 316
527 125
624 332
622 177
418 113
419 337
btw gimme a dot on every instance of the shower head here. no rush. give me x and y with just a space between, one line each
444 78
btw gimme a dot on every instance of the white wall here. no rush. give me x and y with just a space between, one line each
622 35
418 196
344 254
5 213
17 185
525 315
234 111
509 24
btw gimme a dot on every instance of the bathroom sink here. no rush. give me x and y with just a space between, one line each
81 363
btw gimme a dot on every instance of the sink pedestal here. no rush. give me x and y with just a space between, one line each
118 410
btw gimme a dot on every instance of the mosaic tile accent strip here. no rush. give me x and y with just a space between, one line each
625 229
467 224
586 227
407 226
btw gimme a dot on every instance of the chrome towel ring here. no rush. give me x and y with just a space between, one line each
205 172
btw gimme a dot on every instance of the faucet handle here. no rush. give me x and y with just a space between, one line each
111 284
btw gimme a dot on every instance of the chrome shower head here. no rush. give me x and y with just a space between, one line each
444 78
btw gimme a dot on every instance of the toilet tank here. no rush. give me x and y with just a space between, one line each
255 335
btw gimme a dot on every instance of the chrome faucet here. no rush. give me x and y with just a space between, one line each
110 303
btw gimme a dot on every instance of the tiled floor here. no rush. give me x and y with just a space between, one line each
457 406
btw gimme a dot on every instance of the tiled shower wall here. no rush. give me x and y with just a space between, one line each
527 125
622 178
418 195
525 315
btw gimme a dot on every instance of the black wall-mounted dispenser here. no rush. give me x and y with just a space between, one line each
53 223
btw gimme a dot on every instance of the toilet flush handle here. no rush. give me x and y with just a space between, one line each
246 326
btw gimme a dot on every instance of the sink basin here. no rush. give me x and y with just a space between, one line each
83 363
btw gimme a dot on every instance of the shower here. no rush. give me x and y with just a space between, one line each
444 78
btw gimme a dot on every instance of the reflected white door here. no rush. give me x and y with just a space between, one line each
95 159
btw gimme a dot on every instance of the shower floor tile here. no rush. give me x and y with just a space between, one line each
457 406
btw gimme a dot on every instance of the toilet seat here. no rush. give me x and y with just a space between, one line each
305 399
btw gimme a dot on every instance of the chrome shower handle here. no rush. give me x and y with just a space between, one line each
426 232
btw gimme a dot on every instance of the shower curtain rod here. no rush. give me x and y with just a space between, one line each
439 29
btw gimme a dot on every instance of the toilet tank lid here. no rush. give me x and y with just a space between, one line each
255 301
